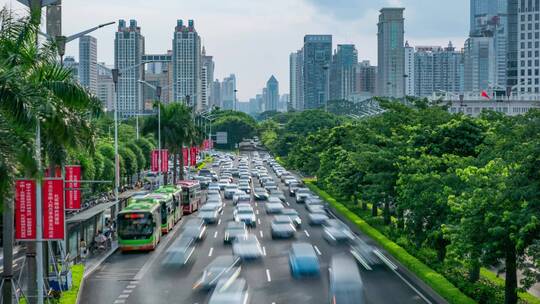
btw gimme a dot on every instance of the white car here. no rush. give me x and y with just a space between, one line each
230 190
241 196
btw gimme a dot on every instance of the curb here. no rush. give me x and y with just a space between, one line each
89 272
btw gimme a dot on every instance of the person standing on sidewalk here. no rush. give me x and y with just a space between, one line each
84 249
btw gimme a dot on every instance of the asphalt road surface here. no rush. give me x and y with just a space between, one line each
141 278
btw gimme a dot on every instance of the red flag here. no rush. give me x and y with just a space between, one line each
156 166
185 156
53 209
193 156
485 95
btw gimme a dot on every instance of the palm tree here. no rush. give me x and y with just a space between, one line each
177 130
34 89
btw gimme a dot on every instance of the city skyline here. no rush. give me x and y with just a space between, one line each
275 27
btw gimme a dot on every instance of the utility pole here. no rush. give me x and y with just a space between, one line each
115 75
158 93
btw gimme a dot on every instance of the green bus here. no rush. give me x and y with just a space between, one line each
176 192
168 210
139 226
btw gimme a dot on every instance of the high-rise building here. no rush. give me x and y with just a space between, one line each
264 103
228 92
105 86
448 70
409 70
293 79
272 99
128 51
513 43
423 70
343 72
259 101
207 78
391 53
366 78
216 94
88 63
71 64
316 58
186 63
479 64
529 47
283 105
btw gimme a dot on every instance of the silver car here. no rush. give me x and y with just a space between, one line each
282 227
222 267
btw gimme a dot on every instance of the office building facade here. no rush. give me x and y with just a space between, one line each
186 63
88 63
228 92
272 91
448 70
293 79
128 51
479 64
366 78
528 80
343 72
391 53
409 70
316 58
207 78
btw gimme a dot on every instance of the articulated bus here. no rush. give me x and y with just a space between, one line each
191 195
168 210
176 192
139 225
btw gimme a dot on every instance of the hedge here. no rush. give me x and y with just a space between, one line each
527 297
438 282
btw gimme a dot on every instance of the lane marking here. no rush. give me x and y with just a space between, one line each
306 232
264 250
211 251
411 286
268 278
131 286
123 296
317 249
219 222
261 233
287 203
119 301
127 291
257 211
215 234
259 221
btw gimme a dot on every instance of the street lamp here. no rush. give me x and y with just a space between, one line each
115 75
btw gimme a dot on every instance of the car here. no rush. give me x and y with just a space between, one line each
180 252
245 187
292 188
233 230
213 191
346 285
335 232
277 193
195 228
241 196
247 247
260 194
230 190
303 261
317 218
273 199
273 208
210 214
214 186
290 180
230 291
301 194
223 183
222 267
293 214
364 253
246 215
271 187
282 227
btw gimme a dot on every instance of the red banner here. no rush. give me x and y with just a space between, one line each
25 210
164 160
53 209
193 156
185 156
57 172
73 195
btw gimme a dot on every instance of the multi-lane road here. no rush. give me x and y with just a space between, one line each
142 278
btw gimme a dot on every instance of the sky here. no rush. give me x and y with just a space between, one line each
253 38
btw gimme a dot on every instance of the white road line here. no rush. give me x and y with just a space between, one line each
219 221
215 234
131 286
123 296
287 203
259 221
307 233
261 233
264 251
127 291
257 211
411 286
317 249
211 251
268 278
120 301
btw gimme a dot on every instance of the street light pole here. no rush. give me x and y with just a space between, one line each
158 93
115 75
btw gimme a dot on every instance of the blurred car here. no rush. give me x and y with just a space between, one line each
292 188
214 186
222 267
230 190
218 205
195 228
241 196
229 291
273 208
209 214
317 218
346 285
246 215
277 193
282 227
315 208
223 183
245 187
303 260
271 187
213 191
293 214
234 230
180 252
364 253
301 194
336 232
247 247
260 194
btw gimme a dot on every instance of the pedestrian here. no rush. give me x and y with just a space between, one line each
84 249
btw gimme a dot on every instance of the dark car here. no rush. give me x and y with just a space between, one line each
346 285
195 228
303 260
234 230
282 227
222 267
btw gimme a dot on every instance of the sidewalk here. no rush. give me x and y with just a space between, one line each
93 262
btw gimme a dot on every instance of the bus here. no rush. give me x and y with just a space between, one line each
176 192
139 226
191 195
168 210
